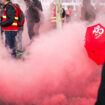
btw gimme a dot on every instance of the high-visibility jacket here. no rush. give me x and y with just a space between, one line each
53 16
14 25
68 12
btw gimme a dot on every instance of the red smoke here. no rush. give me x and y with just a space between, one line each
56 71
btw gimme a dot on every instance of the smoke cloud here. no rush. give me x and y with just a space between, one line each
56 70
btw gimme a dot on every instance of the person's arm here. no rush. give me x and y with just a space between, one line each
40 6
10 11
63 13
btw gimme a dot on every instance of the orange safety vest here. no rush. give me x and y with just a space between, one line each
53 16
69 12
14 26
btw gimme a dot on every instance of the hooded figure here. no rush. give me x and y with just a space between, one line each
33 14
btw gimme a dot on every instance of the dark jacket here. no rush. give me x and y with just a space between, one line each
88 13
33 14
38 4
101 91
1 10
63 13
10 11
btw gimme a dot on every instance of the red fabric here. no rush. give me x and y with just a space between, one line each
53 14
95 43
20 15
69 12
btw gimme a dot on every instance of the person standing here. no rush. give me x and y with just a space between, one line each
53 15
88 12
69 13
9 25
101 91
33 17
21 21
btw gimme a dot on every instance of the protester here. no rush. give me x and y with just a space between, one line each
101 92
20 31
33 17
9 24
88 12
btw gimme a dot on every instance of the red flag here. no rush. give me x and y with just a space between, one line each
95 43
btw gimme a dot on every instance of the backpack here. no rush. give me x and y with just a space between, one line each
21 16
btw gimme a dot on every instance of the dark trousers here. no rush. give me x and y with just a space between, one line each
10 41
101 92
33 28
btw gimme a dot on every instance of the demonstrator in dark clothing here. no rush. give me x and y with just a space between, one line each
33 15
101 92
63 13
88 12
9 24
1 12
10 12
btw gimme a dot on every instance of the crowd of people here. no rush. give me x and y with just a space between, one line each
85 12
13 19
12 23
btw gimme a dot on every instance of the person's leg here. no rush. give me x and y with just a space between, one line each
36 28
10 41
19 50
30 26
19 41
101 92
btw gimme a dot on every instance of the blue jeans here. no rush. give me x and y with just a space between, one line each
10 41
